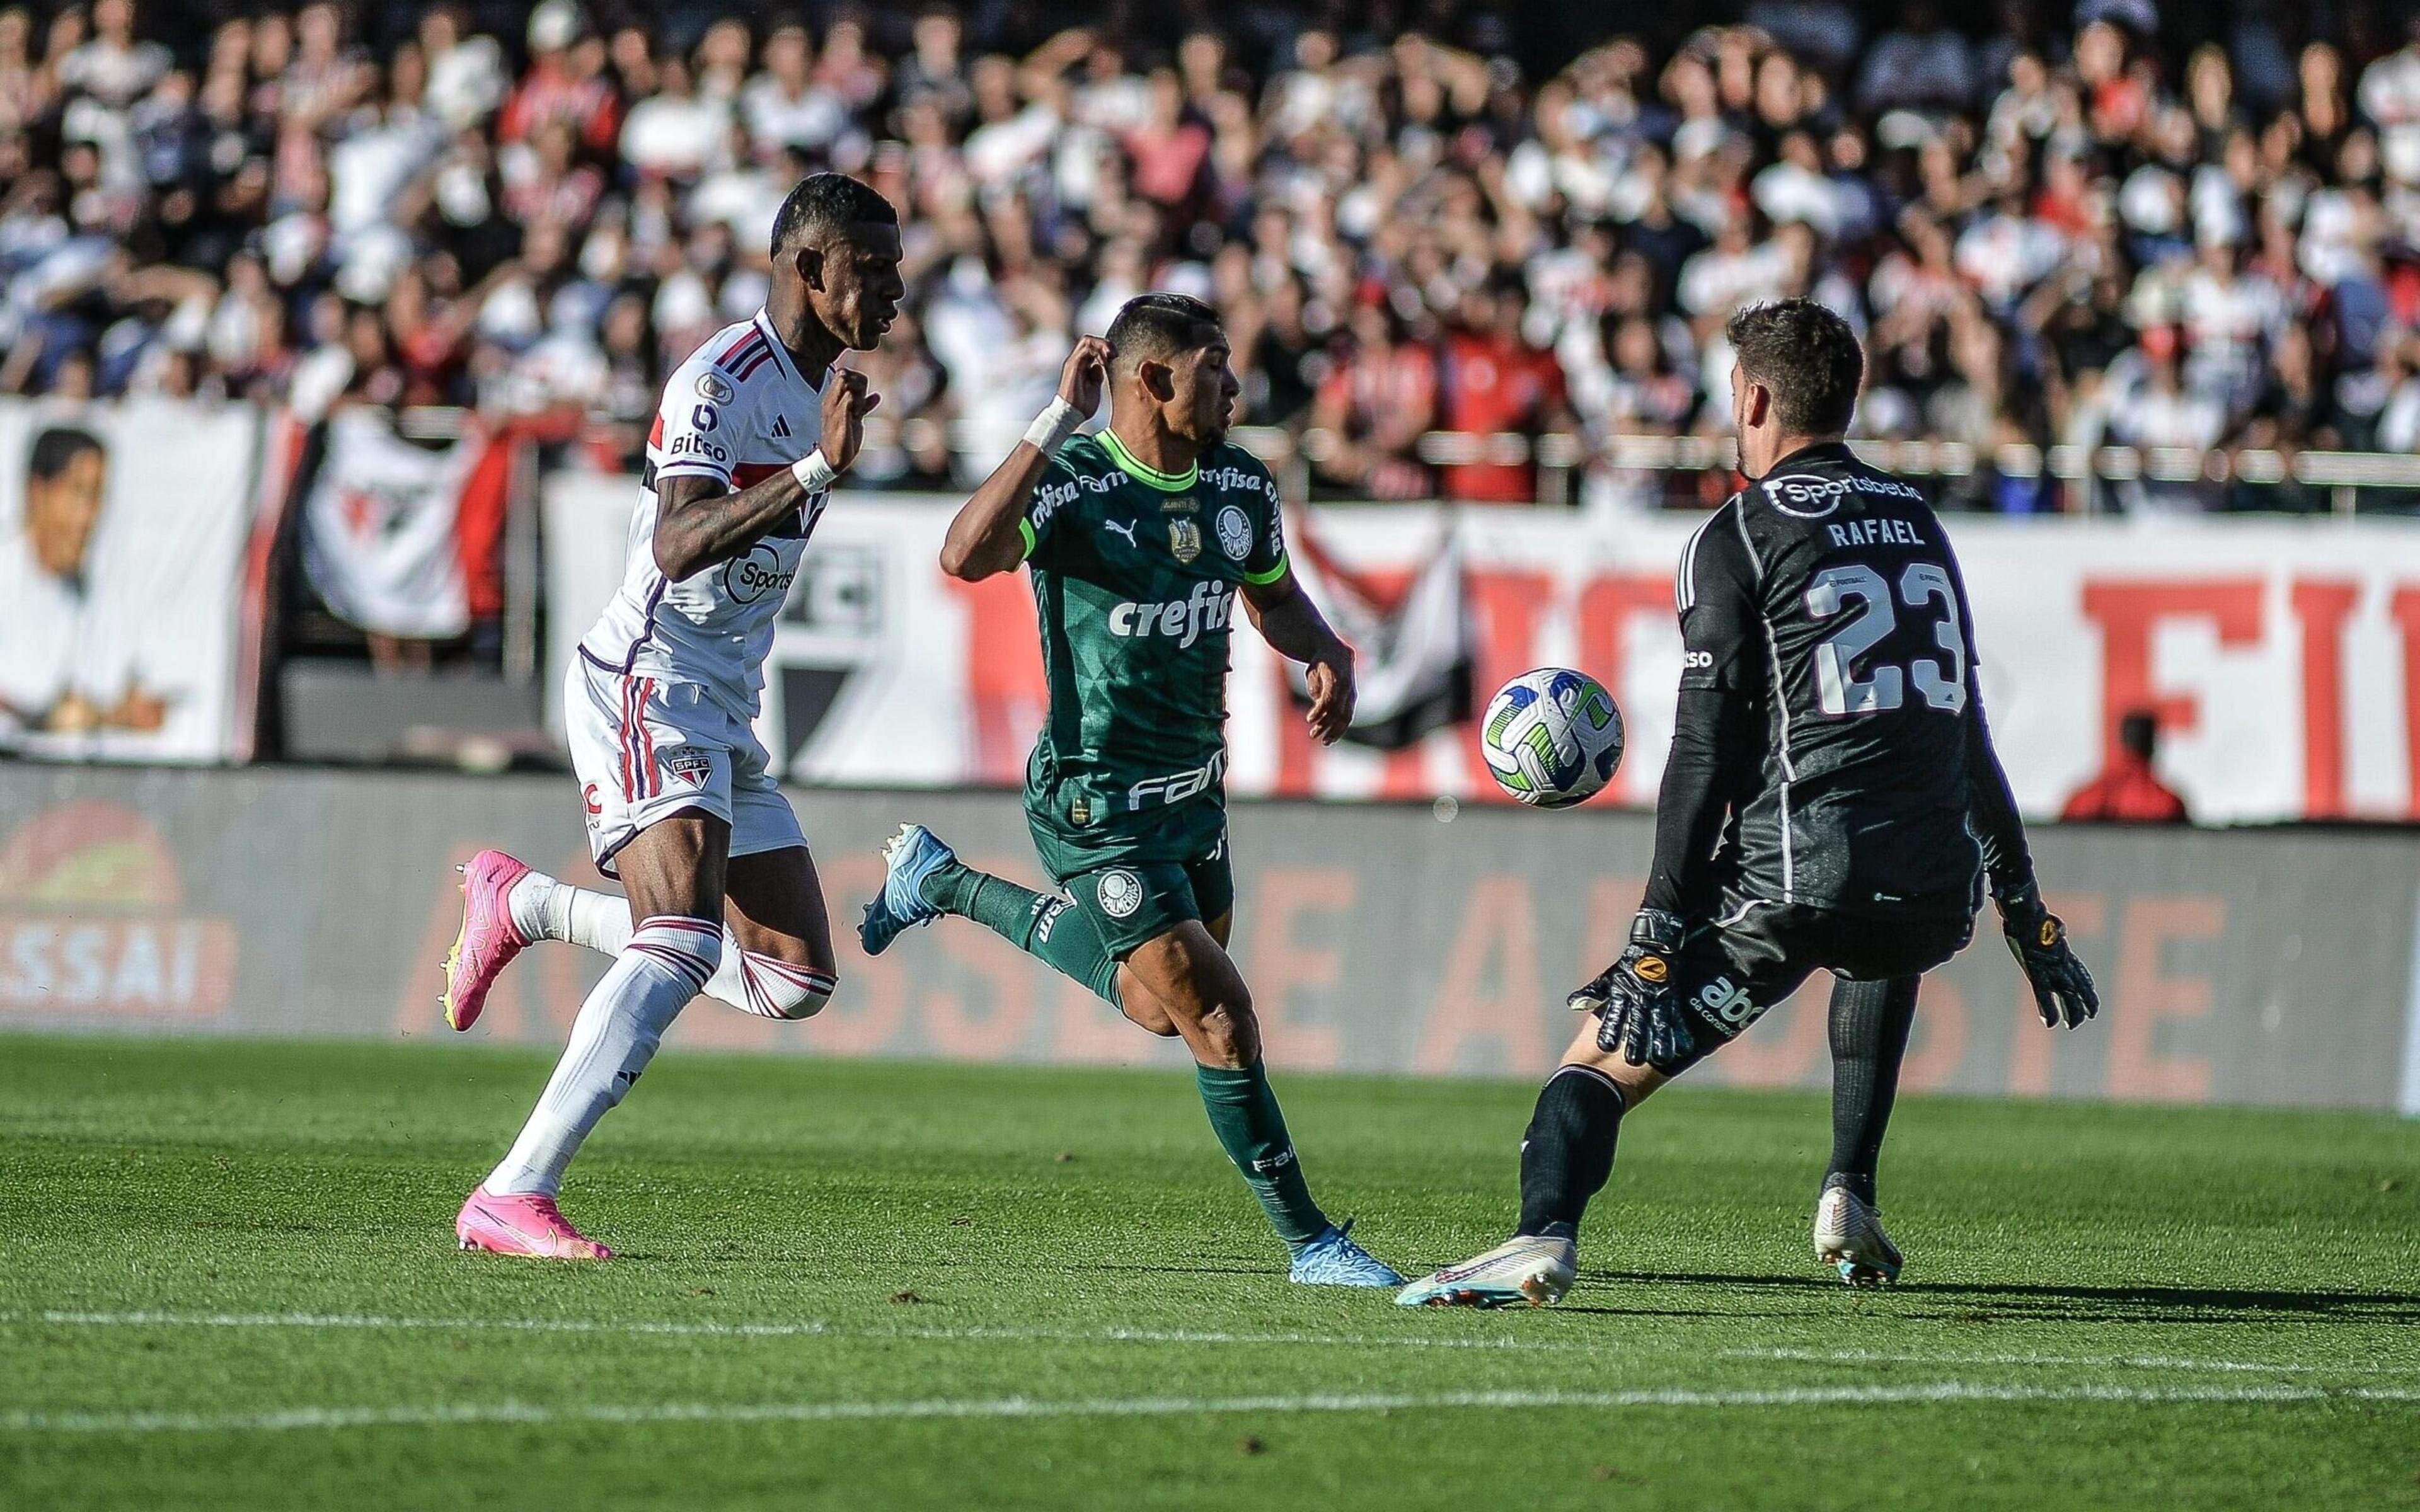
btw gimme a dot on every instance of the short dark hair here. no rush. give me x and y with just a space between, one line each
1155 326
829 202
1808 356
56 446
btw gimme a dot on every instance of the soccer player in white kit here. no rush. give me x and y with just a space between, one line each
722 893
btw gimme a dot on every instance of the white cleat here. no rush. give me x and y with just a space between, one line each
1534 1270
1849 1238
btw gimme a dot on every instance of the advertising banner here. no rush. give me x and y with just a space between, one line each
129 579
2281 658
1376 937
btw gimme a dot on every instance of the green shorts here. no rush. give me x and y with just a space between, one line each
1137 881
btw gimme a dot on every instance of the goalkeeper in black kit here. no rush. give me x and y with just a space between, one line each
1832 802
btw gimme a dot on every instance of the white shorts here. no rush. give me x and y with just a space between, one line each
646 749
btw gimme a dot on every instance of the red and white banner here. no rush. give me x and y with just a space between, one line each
2282 657
384 541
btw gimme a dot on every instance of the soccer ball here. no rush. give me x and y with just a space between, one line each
1552 737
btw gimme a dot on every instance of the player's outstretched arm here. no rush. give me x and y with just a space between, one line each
1295 629
696 526
987 536
2063 989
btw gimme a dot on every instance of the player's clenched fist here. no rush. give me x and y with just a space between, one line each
846 402
1330 679
1086 372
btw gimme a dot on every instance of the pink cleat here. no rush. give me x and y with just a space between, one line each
487 942
526 1225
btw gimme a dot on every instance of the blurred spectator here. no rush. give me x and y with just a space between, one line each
1494 381
2130 792
1376 401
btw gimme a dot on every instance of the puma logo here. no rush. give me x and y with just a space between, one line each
1127 530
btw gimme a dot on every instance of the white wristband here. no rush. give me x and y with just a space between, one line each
813 474
1051 428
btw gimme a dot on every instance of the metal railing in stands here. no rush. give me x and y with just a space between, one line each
1560 456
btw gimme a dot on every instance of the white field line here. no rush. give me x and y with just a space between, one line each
812 1328
2129 1362
456 1413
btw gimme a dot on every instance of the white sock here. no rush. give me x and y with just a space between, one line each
547 909
666 962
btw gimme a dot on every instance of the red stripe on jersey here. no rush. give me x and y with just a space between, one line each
653 778
746 367
656 433
749 475
734 350
623 741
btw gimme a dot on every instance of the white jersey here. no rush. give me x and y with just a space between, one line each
737 411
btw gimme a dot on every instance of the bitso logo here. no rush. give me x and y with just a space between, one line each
1121 893
1234 533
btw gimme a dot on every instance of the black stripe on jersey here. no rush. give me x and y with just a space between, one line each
748 349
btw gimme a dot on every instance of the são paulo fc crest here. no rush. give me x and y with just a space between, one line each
690 767
1120 892
1234 533
1185 539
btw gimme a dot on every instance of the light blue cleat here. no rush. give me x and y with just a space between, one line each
1532 1272
1333 1259
914 854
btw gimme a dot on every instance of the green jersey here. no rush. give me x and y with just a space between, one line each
1135 575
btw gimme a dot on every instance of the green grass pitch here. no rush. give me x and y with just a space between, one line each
227 1279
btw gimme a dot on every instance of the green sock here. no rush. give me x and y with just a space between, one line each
1244 1114
1051 929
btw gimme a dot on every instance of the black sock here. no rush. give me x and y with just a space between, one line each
1869 1025
1567 1151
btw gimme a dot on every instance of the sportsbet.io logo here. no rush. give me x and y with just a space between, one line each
1121 893
751 578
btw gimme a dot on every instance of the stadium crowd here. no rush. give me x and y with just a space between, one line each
2063 227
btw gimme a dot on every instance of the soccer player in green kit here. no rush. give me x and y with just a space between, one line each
1140 539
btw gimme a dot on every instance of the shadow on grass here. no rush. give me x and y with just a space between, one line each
2134 1304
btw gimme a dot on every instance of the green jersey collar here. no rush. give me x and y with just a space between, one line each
1148 477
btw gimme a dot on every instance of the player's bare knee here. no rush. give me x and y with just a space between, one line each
1148 1013
1232 1027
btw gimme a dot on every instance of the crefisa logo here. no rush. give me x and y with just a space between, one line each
94 924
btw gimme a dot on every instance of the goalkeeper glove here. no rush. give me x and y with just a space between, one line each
1637 1004
2063 990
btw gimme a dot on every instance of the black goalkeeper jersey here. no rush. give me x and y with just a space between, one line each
1830 749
